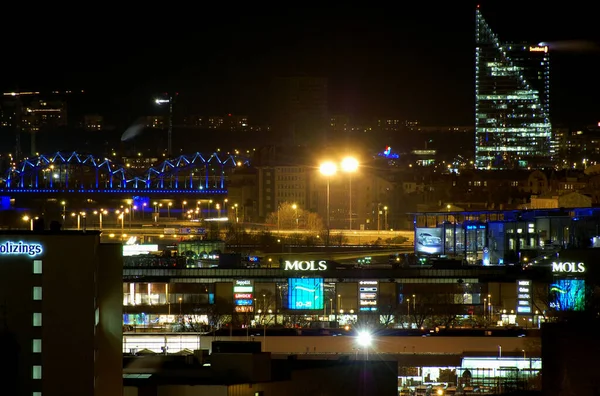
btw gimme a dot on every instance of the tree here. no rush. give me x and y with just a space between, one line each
236 235
266 301
388 310
288 218
314 222
217 315
446 310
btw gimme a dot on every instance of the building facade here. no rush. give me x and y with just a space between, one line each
512 102
51 349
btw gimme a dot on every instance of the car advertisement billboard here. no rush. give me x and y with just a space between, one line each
429 241
305 293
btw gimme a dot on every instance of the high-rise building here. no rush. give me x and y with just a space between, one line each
299 111
512 102
60 314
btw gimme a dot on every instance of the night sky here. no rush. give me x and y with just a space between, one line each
410 62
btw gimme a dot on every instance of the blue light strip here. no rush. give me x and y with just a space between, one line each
112 191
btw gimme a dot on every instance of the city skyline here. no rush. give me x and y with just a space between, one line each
410 65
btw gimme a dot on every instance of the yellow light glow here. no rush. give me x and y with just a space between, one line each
328 168
349 164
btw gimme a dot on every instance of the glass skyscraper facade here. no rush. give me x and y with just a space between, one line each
512 103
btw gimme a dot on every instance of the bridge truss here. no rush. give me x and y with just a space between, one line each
76 172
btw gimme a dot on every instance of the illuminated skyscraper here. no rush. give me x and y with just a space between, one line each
512 102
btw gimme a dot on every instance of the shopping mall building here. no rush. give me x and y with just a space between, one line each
477 268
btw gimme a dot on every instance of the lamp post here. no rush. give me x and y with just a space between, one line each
164 101
349 165
130 203
295 207
328 169
100 213
78 220
183 209
30 220
235 206
64 211
122 218
169 210
385 212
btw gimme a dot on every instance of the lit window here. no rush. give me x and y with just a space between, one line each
37 293
36 394
37 319
37 372
37 346
37 266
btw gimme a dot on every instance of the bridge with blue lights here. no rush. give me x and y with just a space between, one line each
68 173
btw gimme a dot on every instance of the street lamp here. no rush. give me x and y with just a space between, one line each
385 211
64 205
295 207
122 218
100 213
30 220
328 169
350 165
183 209
164 101
169 210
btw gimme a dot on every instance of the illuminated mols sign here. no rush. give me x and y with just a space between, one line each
568 267
367 295
243 293
312 265
19 248
305 293
524 297
538 49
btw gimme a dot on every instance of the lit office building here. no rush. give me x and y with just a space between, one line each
512 101
60 319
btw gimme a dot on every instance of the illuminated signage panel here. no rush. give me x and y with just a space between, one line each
538 49
305 293
132 250
20 248
367 295
243 291
524 297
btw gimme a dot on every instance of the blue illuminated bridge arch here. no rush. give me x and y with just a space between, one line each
85 173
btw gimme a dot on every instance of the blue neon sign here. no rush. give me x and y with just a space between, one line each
17 248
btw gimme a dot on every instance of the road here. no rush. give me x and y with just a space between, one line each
167 230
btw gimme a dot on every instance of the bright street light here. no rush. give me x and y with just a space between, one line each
349 164
328 168
364 338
